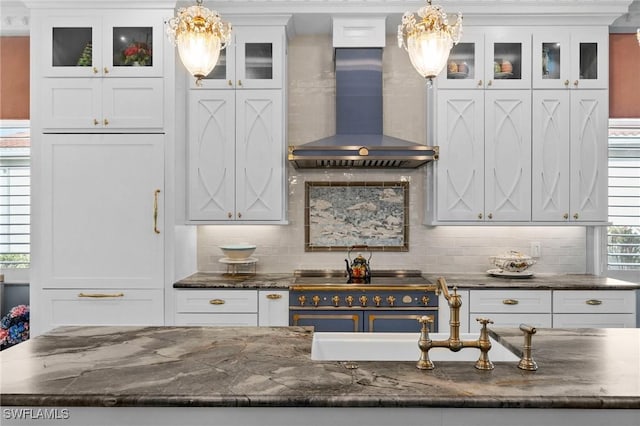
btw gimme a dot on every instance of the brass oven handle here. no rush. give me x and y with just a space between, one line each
216 302
593 302
274 296
155 212
510 302
100 295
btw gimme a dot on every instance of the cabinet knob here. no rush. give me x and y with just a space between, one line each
349 300
106 122
490 82
239 215
490 216
216 302
575 216
479 215
95 122
315 300
566 83
510 302
302 300
479 83
106 70
363 300
239 82
575 83
95 70
336 301
230 83
274 296
565 216
229 215
593 302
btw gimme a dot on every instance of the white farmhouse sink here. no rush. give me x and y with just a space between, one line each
330 346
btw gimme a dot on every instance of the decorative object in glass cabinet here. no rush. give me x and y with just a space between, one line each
462 61
507 61
551 61
132 46
72 46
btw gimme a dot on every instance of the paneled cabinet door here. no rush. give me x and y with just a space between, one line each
465 67
259 155
589 138
507 63
101 211
507 155
211 155
273 308
460 169
590 58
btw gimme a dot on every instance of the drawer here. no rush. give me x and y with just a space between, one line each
217 301
102 307
511 320
507 301
594 321
273 308
594 301
228 320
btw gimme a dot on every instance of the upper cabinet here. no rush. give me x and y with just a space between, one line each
253 60
493 58
575 59
104 45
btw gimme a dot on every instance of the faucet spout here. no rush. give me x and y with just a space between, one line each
453 343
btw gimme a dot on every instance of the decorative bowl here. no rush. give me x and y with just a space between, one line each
512 261
238 251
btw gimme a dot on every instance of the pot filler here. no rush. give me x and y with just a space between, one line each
359 142
389 301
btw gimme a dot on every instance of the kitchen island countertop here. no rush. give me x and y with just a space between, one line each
271 367
204 280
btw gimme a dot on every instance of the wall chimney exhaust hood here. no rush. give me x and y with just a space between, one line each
359 142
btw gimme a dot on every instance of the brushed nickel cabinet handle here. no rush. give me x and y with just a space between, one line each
155 211
100 295
274 296
510 302
216 302
593 302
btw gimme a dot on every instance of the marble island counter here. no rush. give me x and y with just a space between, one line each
584 376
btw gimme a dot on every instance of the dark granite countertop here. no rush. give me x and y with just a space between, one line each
203 280
271 367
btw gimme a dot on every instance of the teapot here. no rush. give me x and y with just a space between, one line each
359 269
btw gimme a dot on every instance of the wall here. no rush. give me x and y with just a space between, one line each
435 249
14 78
624 76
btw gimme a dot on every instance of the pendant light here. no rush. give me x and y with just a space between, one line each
429 39
200 35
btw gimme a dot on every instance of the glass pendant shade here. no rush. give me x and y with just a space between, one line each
429 39
199 34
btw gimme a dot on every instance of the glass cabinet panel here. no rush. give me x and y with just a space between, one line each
258 61
132 46
462 62
507 61
72 47
551 61
219 72
588 61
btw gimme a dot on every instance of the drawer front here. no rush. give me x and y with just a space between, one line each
228 320
102 307
511 320
507 301
595 301
594 321
217 301
273 308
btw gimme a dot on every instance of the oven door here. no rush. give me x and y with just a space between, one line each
330 320
396 321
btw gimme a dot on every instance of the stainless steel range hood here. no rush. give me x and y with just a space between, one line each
359 142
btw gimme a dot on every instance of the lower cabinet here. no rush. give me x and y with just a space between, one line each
222 307
597 309
510 308
106 306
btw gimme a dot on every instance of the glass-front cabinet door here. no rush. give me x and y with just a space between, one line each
465 67
551 59
508 59
589 59
253 60
100 46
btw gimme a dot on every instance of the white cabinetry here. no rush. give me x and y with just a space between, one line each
237 127
232 307
510 308
570 155
103 70
484 170
596 308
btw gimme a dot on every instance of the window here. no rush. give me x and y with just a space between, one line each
15 183
623 251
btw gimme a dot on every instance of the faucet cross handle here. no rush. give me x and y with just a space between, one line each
484 321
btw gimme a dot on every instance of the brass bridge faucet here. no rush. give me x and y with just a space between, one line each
453 342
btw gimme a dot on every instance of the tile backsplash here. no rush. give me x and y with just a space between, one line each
447 249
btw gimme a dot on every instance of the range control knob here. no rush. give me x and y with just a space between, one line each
391 300
377 300
302 299
363 300
425 300
316 300
336 301
349 300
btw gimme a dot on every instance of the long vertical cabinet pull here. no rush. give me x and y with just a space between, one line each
155 212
